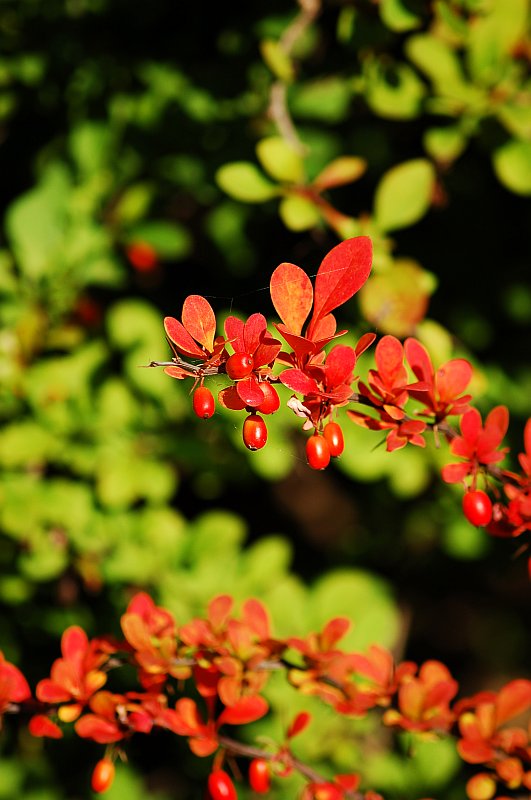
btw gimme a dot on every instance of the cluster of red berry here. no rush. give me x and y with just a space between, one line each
322 382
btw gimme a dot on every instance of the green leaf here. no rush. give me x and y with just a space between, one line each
397 17
444 144
298 213
493 36
36 223
168 239
512 164
327 99
517 117
441 64
133 203
404 194
393 91
90 146
277 60
280 160
132 322
243 181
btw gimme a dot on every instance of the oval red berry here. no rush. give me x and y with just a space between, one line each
254 432
477 508
259 776
334 436
102 776
239 365
317 452
220 786
203 402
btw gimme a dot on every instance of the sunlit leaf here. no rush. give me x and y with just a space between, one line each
404 194
342 272
280 159
244 181
292 295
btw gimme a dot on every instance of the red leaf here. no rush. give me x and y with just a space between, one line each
299 382
74 643
246 710
454 473
364 343
340 363
255 616
333 632
48 691
204 746
234 333
419 360
229 398
325 328
219 609
177 372
453 378
513 699
342 273
267 350
41 725
300 722
13 685
199 320
252 331
99 730
292 295
250 392
184 344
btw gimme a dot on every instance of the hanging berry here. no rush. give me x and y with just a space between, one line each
239 365
254 432
334 436
203 402
317 452
477 508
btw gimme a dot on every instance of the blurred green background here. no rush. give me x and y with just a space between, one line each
150 123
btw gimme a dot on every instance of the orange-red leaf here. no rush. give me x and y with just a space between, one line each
513 699
41 725
298 381
292 295
300 722
184 344
246 710
199 320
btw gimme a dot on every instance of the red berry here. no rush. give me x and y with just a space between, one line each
142 256
220 786
254 432
203 402
102 775
271 401
317 452
259 775
334 436
239 365
477 508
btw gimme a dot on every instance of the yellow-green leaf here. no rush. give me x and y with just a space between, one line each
404 194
